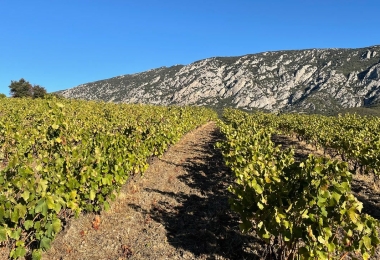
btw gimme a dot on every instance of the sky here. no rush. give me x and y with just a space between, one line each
61 44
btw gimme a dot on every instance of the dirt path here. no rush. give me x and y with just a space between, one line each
177 210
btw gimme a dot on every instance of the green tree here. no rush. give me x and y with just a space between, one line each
38 91
2 95
21 88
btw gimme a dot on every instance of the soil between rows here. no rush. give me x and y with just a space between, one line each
177 210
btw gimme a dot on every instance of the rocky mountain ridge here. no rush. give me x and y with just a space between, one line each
301 80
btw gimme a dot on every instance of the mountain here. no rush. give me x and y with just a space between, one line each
300 80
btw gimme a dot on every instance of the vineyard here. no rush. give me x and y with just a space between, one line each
59 158
306 206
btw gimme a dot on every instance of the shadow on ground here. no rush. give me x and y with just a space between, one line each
204 224
368 196
300 152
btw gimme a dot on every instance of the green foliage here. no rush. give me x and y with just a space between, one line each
355 138
23 88
54 96
307 206
60 157
38 91
2 95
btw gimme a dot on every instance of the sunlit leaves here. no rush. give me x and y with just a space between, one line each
3 234
45 243
308 201
72 155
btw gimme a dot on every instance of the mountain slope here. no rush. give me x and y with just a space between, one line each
303 80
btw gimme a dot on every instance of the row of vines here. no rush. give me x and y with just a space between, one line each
355 139
61 157
303 209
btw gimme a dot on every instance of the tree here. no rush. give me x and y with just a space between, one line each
38 91
20 88
2 95
23 88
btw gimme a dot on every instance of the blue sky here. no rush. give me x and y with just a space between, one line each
61 44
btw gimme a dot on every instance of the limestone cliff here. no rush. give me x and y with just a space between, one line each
303 80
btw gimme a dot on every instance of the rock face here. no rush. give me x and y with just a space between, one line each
304 80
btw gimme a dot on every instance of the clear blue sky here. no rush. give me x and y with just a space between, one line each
61 44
